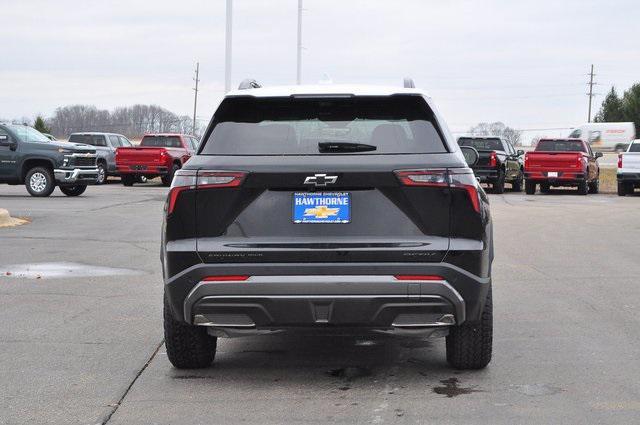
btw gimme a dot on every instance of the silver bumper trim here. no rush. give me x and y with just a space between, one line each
71 176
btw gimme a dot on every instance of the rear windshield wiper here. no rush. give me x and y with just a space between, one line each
344 147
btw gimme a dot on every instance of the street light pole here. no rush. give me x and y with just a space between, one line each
195 98
299 70
227 49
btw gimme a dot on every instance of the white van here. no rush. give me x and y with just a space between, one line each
602 136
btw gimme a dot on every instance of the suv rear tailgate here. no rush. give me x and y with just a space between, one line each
387 221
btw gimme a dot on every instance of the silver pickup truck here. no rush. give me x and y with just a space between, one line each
106 145
629 169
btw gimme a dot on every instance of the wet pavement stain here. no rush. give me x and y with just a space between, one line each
349 374
452 388
63 270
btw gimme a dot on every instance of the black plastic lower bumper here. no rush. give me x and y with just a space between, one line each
354 294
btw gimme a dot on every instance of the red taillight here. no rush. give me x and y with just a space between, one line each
202 179
463 178
430 277
493 159
456 178
226 278
619 160
437 178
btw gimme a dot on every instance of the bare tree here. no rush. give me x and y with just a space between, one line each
132 121
497 129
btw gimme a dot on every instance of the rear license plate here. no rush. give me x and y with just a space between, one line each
139 167
552 174
322 207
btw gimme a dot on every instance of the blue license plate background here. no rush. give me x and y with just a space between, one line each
322 207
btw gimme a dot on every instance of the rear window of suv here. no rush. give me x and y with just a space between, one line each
298 125
161 141
635 147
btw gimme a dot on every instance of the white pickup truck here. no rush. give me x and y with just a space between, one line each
629 169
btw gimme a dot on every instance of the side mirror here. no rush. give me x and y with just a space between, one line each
471 155
520 152
598 155
6 141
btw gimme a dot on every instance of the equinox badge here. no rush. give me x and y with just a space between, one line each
320 180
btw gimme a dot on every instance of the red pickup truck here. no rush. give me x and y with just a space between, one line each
562 162
157 155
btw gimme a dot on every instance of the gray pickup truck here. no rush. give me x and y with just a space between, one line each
28 157
106 145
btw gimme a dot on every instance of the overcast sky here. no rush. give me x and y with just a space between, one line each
521 62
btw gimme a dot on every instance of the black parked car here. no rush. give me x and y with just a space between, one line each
335 209
28 157
106 145
499 162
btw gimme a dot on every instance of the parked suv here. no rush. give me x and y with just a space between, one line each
28 157
106 145
327 208
499 162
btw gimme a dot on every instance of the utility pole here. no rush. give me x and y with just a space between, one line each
195 99
299 70
591 94
227 49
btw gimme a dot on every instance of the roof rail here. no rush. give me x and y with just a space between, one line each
249 83
408 83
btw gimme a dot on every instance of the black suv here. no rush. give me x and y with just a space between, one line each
499 162
335 208
28 156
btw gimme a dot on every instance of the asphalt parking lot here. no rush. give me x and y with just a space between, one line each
81 334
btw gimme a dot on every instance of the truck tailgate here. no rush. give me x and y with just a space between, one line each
630 162
552 161
139 155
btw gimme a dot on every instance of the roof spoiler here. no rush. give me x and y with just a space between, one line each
407 82
249 83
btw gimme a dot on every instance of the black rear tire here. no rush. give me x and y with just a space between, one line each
188 347
583 188
516 186
39 182
529 187
128 179
469 346
76 190
167 179
594 186
622 189
498 185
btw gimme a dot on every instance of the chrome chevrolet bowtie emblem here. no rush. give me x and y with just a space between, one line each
320 180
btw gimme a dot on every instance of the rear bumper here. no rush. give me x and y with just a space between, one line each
289 296
564 178
628 177
486 174
76 176
142 169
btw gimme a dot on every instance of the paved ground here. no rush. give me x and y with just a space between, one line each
87 347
